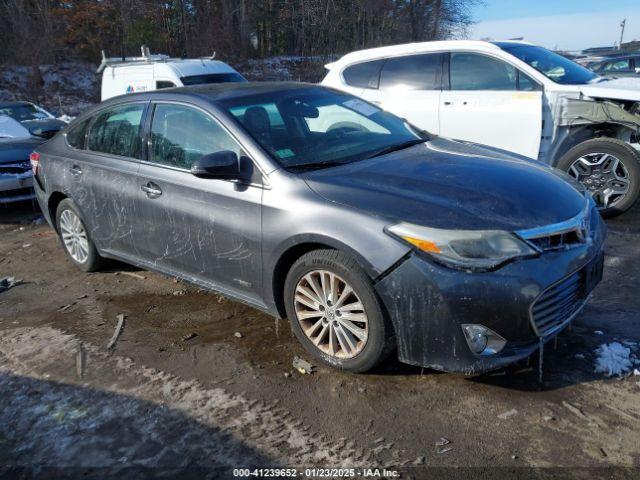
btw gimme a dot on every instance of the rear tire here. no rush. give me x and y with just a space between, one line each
605 165
75 238
340 320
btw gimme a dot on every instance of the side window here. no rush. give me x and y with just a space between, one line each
180 135
617 66
160 84
364 75
415 72
76 135
117 131
470 71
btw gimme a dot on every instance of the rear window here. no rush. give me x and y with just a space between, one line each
212 78
413 72
363 75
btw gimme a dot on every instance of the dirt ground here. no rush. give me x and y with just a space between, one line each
198 385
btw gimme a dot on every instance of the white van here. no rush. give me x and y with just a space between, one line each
152 72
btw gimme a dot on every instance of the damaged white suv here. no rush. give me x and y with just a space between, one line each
513 96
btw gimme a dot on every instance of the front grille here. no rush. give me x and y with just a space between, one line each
558 303
16 193
15 168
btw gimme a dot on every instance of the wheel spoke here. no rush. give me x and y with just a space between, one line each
354 317
360 333
333 340
344 295
304 315
355 306
312 282
321 335
309 294
341 340
314 328
305 301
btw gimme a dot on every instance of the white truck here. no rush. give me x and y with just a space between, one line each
513 96
152 72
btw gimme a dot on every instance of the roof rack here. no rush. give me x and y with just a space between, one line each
145 58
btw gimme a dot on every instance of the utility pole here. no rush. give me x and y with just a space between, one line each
622 24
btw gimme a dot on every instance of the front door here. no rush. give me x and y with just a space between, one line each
206 230
492 103
410 87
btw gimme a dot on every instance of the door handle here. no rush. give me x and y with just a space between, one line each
447 103
152 190
75 171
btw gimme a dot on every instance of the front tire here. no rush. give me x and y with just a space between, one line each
335 313
75 238
610 170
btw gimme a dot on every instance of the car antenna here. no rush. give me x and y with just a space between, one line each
60 105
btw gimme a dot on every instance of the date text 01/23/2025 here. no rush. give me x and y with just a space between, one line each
316 473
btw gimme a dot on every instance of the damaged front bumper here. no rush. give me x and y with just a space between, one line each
16 184
428 304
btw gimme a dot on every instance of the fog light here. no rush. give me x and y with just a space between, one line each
483 340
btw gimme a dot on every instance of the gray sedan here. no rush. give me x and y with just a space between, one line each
369 235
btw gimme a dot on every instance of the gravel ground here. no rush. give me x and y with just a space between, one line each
197 385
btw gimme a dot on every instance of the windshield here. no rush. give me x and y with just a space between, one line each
212 78
23 112
553 66
317 128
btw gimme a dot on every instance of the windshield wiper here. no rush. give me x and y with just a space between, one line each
396 147
317 165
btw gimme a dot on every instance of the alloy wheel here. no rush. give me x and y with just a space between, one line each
331 314
604 176
74 236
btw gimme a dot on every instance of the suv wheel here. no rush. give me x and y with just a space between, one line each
609 169
335 313
75 238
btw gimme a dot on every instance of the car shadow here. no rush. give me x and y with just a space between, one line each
59 430
23 213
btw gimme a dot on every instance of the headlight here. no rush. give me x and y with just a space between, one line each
464 249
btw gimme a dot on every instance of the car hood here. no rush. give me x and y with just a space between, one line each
455 185
616 88
12 151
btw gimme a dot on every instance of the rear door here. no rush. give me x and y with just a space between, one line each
103 176
207 230
492 103
410 87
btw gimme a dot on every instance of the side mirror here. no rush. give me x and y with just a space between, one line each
222 164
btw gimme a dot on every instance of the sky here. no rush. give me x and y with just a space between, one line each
562 24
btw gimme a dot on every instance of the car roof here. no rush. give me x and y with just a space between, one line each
419 47
210 93
219 91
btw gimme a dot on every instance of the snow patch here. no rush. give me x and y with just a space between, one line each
613 359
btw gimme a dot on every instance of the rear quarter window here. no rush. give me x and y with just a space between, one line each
363 75
77 133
